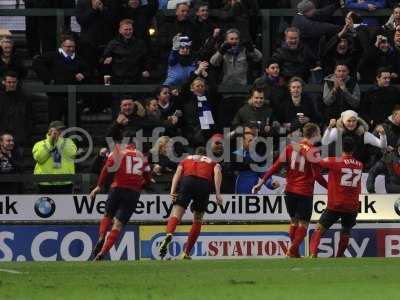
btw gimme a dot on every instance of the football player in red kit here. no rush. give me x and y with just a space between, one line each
195 175
344 188
300 177
132 173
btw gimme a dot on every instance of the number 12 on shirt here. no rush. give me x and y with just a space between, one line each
133 165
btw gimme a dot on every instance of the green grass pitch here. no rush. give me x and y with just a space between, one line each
351 278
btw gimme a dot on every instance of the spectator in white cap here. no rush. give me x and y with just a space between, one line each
350 124
181 62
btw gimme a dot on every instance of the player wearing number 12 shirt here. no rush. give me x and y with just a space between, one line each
344 189
300 178
132 173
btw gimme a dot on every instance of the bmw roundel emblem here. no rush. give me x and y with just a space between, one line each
397 206
45 207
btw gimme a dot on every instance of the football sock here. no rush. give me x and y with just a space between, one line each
193 235
171 226
300 234
292 232
344 240
105 223
315 239
110 241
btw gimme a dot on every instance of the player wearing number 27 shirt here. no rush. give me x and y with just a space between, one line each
131 174
344 189
300 178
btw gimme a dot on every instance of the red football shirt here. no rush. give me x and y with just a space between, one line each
344 184
199 166
131 169
301 173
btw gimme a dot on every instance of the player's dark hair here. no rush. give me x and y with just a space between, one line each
200 150
310 129
348 145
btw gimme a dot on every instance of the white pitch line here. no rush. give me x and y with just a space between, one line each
10 271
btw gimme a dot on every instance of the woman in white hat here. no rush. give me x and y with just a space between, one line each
350 124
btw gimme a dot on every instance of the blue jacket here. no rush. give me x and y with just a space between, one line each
353 4
370 21
177 74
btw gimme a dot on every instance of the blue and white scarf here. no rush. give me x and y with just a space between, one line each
204 112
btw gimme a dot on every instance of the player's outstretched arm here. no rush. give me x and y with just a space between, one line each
100 182
217 183
175 181
94 192
274 169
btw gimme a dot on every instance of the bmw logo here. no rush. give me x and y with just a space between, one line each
45 207
397 206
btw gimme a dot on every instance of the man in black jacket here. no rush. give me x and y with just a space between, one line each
205 27
379 101
61 67
294 58
126 58
96 20
15 110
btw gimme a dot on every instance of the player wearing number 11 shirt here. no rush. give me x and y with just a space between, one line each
300 178
343 196
132 173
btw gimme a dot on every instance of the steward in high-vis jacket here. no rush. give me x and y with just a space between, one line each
55 155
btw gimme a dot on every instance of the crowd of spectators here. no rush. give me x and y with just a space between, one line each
326 43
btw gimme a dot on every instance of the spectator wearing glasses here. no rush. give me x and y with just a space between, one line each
63 66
